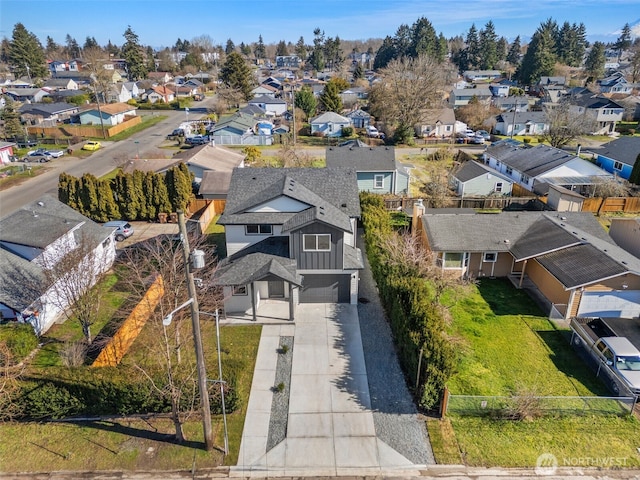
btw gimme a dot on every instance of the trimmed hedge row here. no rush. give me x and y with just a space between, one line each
20 338
417 320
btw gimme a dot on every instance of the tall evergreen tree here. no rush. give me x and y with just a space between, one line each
282 49
160 194
443 47
358 72
594 63
423 39
330 98
107 208
11 118
88 195
260 51
26 54
540 58
487 47
301 49
306 101
634 178
385 53
72 48
112 49
230 47
52 49
90 42
134 56
469 57
513 57
624 40
502 47
236 74
333 53
142 199
317 58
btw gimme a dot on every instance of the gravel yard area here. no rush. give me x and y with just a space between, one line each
280 402
394 413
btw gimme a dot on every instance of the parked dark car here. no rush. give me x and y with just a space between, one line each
197 140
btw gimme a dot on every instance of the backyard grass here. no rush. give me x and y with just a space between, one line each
111 175
508 345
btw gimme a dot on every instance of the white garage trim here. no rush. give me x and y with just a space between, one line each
624 304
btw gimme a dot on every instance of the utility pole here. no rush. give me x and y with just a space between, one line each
197 336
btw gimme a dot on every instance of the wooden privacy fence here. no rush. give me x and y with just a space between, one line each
85 130
119 345
207 210
611 204
402 203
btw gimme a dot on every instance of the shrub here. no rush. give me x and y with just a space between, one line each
73 353
347 131
526 140
20 338
631 131
48 400
284 349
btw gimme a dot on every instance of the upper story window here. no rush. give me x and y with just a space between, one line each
320 242
498 187
509 170
524 178
258 229
378 181
617 165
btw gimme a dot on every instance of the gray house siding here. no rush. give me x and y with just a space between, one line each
402 184
486 186
331 260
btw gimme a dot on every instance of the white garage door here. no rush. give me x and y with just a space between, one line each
624 304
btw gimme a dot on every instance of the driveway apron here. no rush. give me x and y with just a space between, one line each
330 428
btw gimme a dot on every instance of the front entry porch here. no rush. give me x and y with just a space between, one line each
271 311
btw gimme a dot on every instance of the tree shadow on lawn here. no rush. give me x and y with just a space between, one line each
567 361
151 434
504 299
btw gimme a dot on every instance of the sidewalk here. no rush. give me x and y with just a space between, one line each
330 426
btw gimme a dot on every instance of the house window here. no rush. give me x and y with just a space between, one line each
453 260
317 242
498 188
497 163
378 181
258 229
617 166
239 290
490 257
524 178
509 170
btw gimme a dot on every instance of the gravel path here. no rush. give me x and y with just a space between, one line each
280 402
394 413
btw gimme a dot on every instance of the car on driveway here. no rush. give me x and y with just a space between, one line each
484 134
197 140
123 229
44 152
39 157
91 145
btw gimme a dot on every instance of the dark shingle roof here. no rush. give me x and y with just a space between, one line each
624 149
541 237
315 187
256 266
530 161
362 157
581 265
471 170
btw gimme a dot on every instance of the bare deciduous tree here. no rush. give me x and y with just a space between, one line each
290 157
176 380
566 125
9 388
73 269
408 87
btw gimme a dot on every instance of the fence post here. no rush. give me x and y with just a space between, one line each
444 403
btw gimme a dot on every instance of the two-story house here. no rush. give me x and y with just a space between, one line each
535 168
291 235
521 123
615 83
605 112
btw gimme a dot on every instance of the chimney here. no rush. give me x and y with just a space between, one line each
418 211
578 150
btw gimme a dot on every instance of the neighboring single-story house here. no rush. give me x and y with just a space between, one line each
272 106
160 77
521 123
566 256
377 170
33 239
118 93
111 113
35 113
535 168
6 152
481 75
462 96
329 124
27 95
61 84
203 158
437 123
475 179
359 118
619 156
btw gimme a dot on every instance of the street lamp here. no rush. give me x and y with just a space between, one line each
197 337
137 149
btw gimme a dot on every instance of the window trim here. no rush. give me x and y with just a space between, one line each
509 170
377 177
240 291
259 227
317 236
498 187
615 165
487 259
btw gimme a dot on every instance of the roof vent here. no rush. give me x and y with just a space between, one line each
41 204
563 218
623 262
35 214
344 205
506 240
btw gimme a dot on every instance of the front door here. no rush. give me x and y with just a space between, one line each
276 289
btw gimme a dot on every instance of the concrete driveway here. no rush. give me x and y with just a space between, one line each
329 422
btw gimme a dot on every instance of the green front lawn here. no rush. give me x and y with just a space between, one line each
508 345
147 121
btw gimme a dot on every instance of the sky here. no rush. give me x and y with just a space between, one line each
160 23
